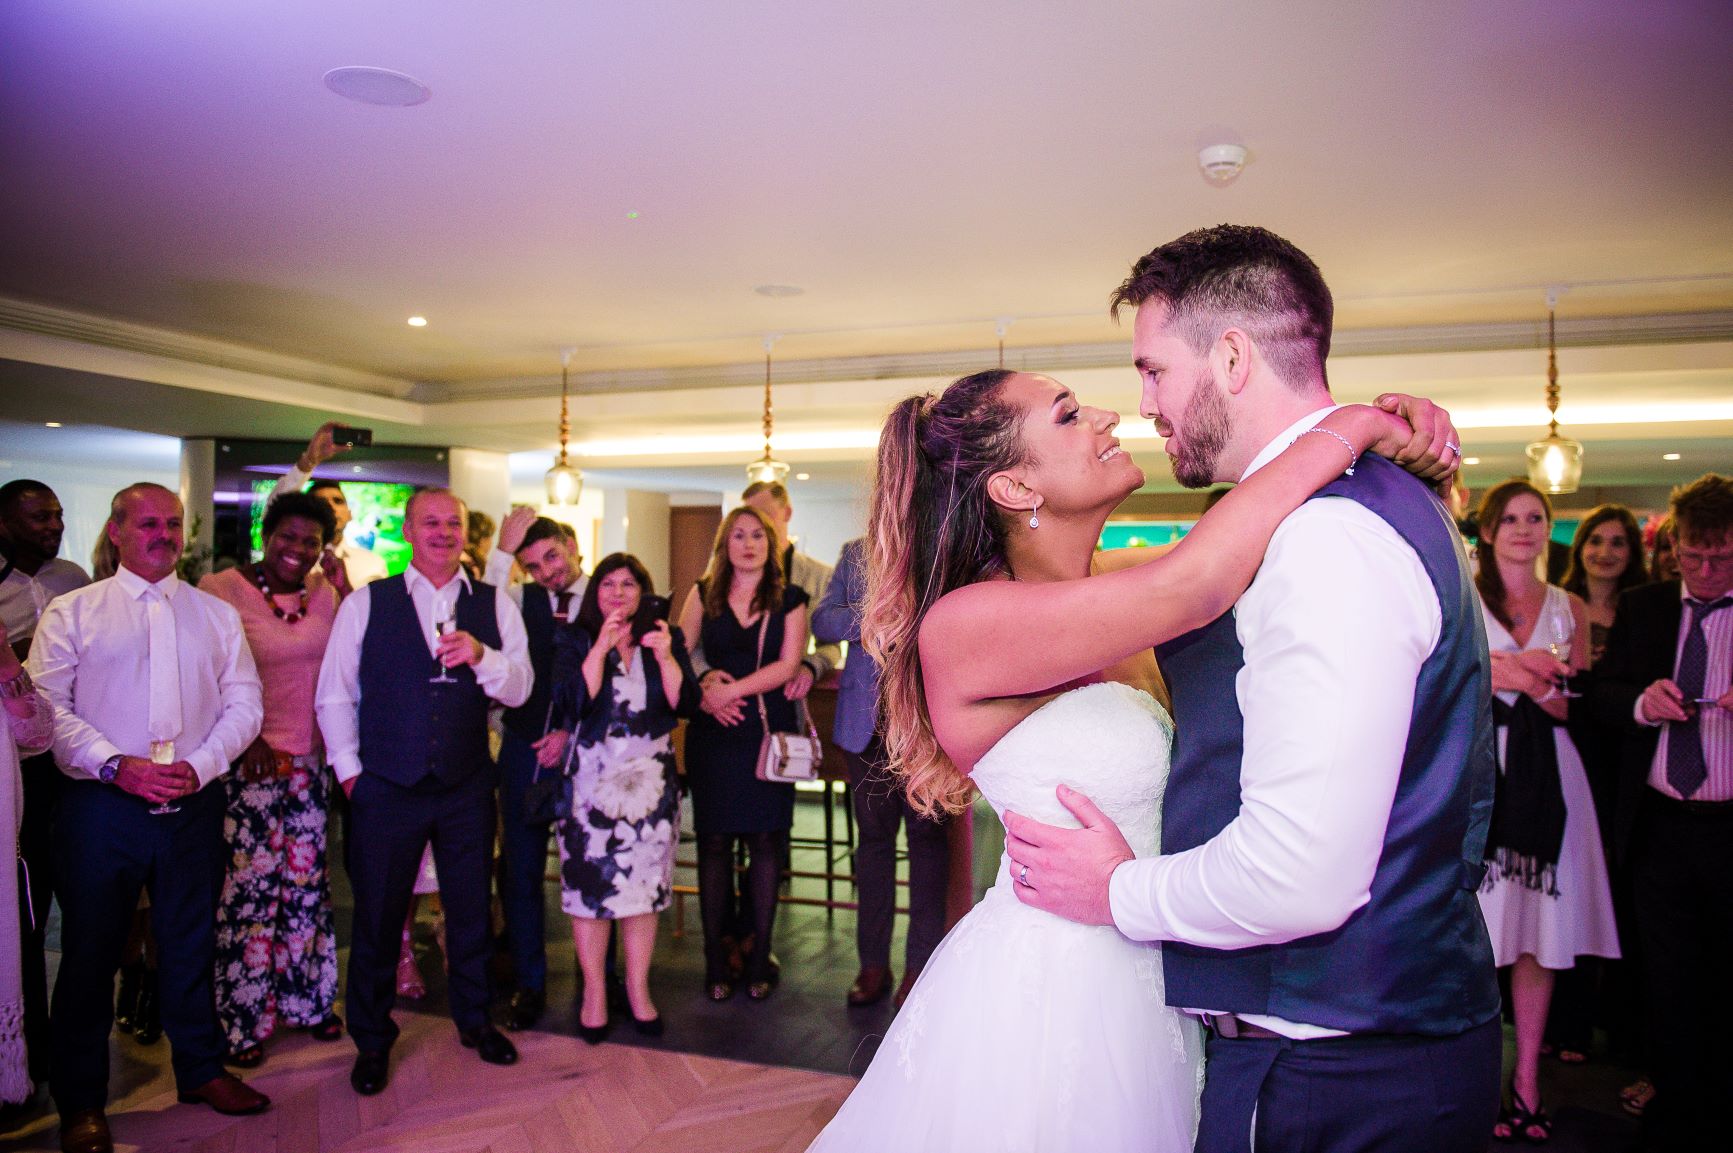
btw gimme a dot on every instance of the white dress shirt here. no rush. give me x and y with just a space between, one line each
1714 726
24 598
498 574
92 657
504 674
1335 629
360 565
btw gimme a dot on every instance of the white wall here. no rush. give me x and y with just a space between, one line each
822 526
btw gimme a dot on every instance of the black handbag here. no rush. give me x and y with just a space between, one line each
548 797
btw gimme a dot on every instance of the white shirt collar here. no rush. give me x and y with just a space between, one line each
1286 437
136 585
413 576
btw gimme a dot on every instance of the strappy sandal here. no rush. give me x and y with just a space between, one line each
1635 1097
329 1028
1530 1125
250 1057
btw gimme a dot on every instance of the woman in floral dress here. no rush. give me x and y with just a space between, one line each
276 942
622 687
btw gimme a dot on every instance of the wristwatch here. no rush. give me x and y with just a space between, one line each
109 768
18 685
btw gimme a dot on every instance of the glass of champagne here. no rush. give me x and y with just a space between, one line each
1559 626
444 622
162 752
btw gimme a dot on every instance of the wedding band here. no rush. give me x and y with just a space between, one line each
1023 877
1453 448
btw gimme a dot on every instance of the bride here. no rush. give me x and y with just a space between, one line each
1004 671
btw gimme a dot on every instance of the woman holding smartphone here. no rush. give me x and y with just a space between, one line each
622 680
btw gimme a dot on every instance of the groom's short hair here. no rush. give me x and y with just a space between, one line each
1239 276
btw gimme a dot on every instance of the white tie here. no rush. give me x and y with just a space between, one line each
165 675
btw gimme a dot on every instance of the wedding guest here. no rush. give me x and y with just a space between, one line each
276 940
32 573
880 805
29 729
625 681
1546 896
479 547
1663 563
1666 673
753 629
154 693
360 566
412 666
533 742
1606 559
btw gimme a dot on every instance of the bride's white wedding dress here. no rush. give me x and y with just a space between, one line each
1027 1031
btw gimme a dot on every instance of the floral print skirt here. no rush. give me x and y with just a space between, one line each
276 937
617 848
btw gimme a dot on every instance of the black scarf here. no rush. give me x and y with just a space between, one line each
1528 809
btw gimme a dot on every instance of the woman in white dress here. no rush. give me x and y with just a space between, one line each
1546 897
1003 670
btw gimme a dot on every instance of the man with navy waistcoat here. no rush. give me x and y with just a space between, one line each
534 741
1325 816
403 709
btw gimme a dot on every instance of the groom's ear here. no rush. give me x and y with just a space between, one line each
1009 493
1231 359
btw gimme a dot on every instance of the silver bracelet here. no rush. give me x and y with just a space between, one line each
17 685
1353 457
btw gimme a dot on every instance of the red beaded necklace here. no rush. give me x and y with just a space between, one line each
270 599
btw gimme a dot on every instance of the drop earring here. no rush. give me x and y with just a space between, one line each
1035 514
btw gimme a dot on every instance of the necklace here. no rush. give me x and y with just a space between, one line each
285 617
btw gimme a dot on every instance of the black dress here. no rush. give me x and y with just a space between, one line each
727 797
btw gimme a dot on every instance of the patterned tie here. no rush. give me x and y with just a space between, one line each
1686 768
165 678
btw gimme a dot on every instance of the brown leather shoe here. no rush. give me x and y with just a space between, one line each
85 1131
870 985
907 987
229 1095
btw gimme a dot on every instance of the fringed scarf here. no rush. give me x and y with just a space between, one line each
1528 809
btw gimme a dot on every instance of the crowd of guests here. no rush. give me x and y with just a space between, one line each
190 750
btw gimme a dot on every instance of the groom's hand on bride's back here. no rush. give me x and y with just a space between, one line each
1068 870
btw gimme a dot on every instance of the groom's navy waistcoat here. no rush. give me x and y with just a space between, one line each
1415 958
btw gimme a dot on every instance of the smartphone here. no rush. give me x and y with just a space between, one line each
650 610
351 437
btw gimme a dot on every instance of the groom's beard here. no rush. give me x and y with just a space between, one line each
1208 428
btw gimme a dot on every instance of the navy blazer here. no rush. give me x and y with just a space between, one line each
837 618
576 706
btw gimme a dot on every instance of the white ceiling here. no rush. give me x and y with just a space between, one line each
179 179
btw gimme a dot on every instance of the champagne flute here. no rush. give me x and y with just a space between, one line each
162 752
444 622
1559 626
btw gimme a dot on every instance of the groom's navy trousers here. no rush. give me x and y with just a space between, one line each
1354 1094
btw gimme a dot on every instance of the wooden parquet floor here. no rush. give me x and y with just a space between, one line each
562 1095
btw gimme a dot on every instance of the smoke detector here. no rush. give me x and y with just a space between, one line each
383 86
1221 163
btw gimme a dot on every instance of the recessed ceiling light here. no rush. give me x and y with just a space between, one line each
778 291
1669 456
418 322
382 86
1470 460
56 424
803 476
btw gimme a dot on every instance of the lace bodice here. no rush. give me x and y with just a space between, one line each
1106 740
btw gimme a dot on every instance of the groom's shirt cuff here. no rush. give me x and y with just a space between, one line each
1335 629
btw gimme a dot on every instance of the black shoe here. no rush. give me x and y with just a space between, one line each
490 1045
594 1034
147 1020
371 1072
126 1002
650 1028
524 1009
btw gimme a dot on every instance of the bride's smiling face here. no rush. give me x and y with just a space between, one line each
1074 462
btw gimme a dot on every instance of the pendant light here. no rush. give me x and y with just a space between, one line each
565 483
1555 463
767 469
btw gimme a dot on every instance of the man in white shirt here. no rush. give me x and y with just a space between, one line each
155 694
32 573
413 664
532 743
1325 818
359 565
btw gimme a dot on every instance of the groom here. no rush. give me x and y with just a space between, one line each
1332 777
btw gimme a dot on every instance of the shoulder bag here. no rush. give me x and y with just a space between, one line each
784 758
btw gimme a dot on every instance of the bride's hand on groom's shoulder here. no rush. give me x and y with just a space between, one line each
1066 871
1425 442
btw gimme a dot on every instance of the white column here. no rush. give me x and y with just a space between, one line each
198 490
647 534
482 480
